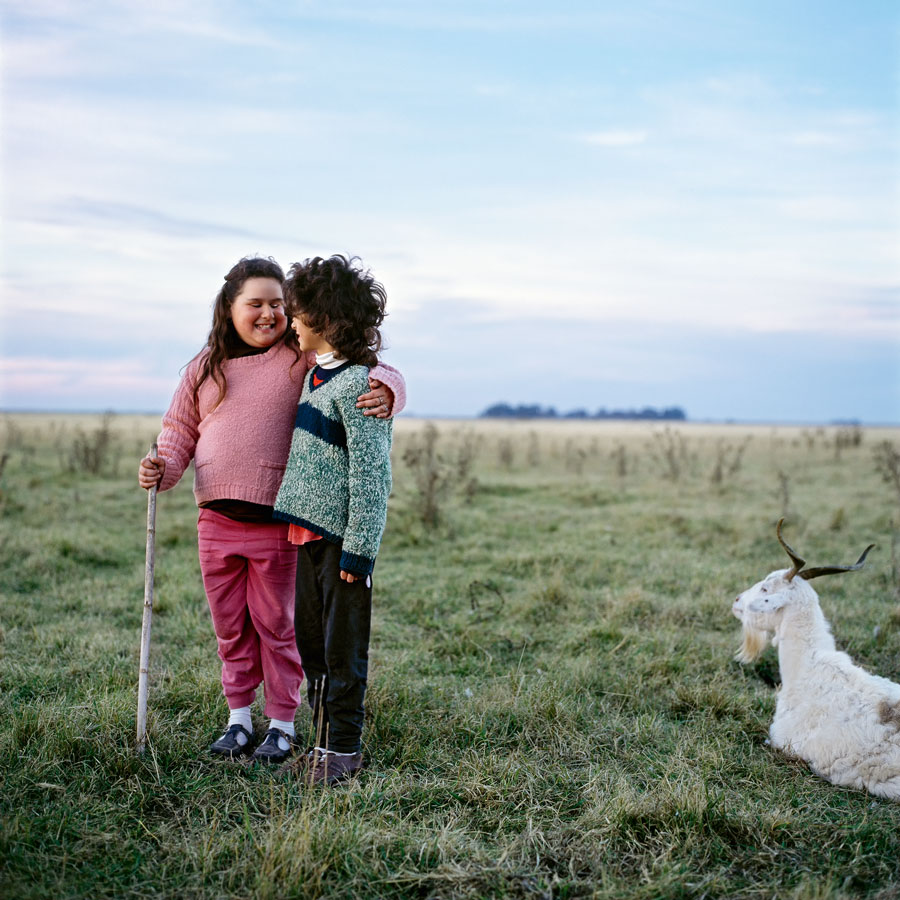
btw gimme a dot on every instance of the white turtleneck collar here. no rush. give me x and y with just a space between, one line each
329 360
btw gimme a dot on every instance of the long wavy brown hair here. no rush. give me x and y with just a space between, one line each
339 299
223 342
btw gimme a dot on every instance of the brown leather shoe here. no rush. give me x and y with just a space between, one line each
330 768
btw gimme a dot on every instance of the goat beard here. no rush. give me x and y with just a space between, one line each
753 644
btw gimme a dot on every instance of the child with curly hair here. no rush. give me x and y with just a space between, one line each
334 495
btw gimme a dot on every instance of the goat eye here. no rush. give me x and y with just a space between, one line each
767 599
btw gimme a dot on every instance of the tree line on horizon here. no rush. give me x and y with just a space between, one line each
535 411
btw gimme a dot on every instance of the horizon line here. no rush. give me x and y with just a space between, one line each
727 420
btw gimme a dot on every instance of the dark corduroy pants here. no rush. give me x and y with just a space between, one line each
332 621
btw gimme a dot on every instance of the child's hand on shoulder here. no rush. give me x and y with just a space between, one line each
378 401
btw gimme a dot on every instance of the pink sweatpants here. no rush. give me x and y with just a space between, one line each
248 573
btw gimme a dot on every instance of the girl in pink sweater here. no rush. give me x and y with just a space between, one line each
233 414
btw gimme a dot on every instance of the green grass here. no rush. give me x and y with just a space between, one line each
554 709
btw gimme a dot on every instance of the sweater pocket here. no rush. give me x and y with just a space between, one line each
269 475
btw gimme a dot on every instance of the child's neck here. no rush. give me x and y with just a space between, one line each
329 359
322 348
242 349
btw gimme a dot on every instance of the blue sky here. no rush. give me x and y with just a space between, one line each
675 203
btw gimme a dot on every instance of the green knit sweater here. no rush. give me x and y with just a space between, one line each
338 474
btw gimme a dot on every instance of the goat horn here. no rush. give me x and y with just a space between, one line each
836 570
798 561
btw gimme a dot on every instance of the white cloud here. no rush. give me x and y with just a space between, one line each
494 90
824 208
29 382
615 138
478 18
741 87
90 20
46 57
815 139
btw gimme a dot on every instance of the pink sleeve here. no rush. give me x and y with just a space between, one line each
179 434
394 380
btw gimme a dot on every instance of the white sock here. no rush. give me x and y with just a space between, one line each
283 725
286 727
241 716
334 752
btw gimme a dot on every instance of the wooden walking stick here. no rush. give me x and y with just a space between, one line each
148 615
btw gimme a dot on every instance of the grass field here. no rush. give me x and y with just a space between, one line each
554 710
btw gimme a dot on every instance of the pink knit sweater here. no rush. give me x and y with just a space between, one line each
240 447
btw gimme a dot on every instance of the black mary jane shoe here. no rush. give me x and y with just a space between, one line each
229 746
269 751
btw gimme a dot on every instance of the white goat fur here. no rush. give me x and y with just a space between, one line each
842 720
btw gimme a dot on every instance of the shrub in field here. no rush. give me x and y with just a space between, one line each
728 460
668 450
620 460
14 437
846 438
435 473
533 450
467 449
887 464
506 453
784 493
92 451
431 475
575 457
895 568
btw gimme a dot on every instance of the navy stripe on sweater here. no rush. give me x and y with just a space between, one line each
315 422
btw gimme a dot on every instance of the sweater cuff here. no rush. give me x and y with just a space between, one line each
395 381
173 473
355 564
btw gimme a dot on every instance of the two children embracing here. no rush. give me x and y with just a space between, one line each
287 551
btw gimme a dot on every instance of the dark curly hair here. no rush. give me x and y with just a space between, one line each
339 299
224 342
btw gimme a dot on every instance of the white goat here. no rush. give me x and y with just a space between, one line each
843 721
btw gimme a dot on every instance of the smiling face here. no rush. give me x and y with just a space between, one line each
257 312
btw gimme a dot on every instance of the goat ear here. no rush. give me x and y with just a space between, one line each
767 603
